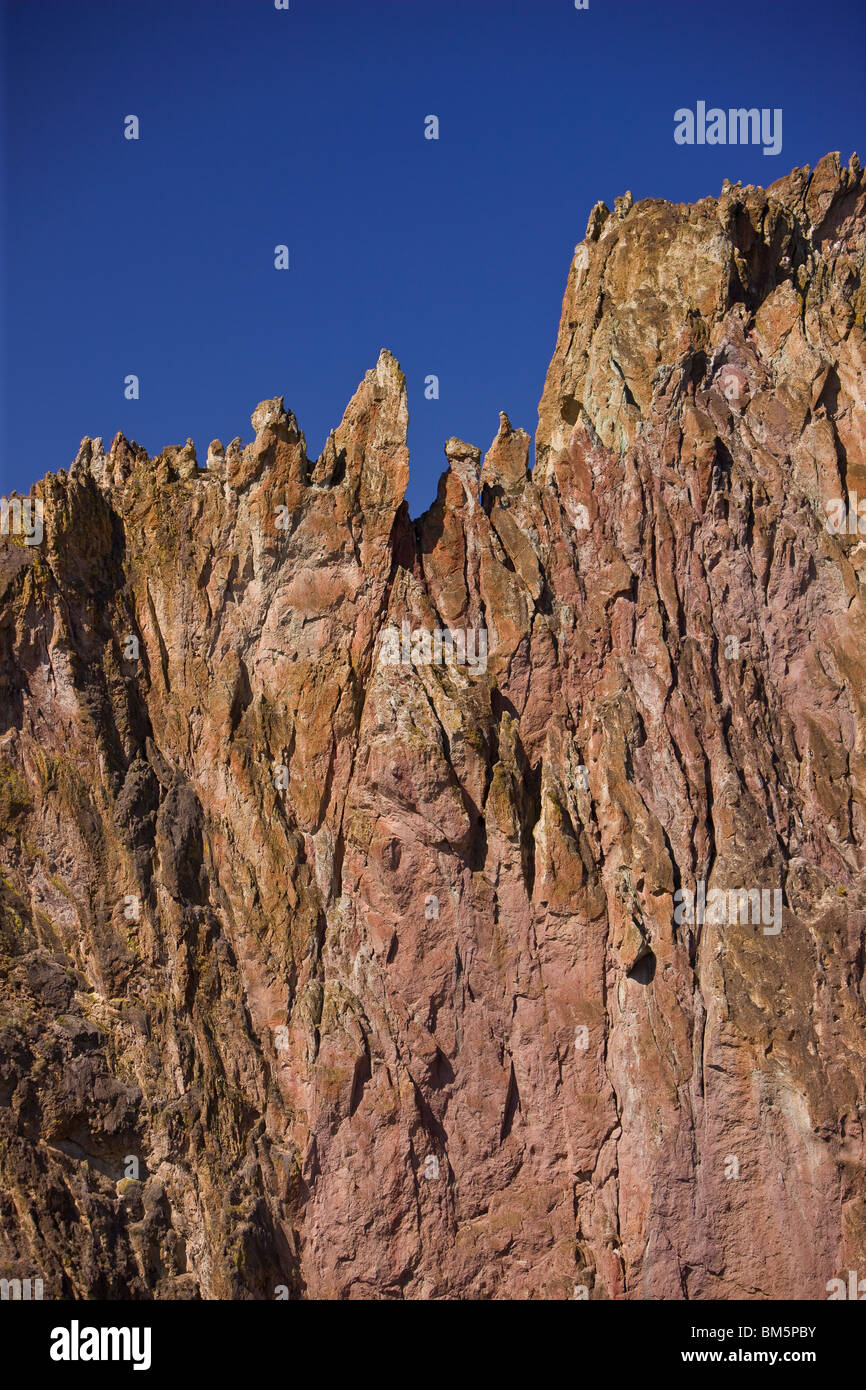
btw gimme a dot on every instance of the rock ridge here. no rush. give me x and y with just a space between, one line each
388 906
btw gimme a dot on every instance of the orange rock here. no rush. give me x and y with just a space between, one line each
376 970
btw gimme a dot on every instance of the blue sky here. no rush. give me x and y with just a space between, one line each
261 127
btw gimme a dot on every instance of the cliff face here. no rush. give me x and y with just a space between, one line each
338 963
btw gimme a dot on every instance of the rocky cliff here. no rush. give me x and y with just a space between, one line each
470 907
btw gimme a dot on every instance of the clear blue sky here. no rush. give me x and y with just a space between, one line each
306 127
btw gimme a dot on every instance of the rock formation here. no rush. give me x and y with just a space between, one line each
324 975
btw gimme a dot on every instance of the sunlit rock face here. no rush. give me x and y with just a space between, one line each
338 962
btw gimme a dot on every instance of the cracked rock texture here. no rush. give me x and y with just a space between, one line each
326 978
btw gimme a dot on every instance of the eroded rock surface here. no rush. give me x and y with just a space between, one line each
354 979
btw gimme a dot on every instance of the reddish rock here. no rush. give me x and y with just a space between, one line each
370 977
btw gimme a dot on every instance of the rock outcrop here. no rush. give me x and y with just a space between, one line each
471 907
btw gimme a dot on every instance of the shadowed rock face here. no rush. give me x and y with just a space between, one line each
387 972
